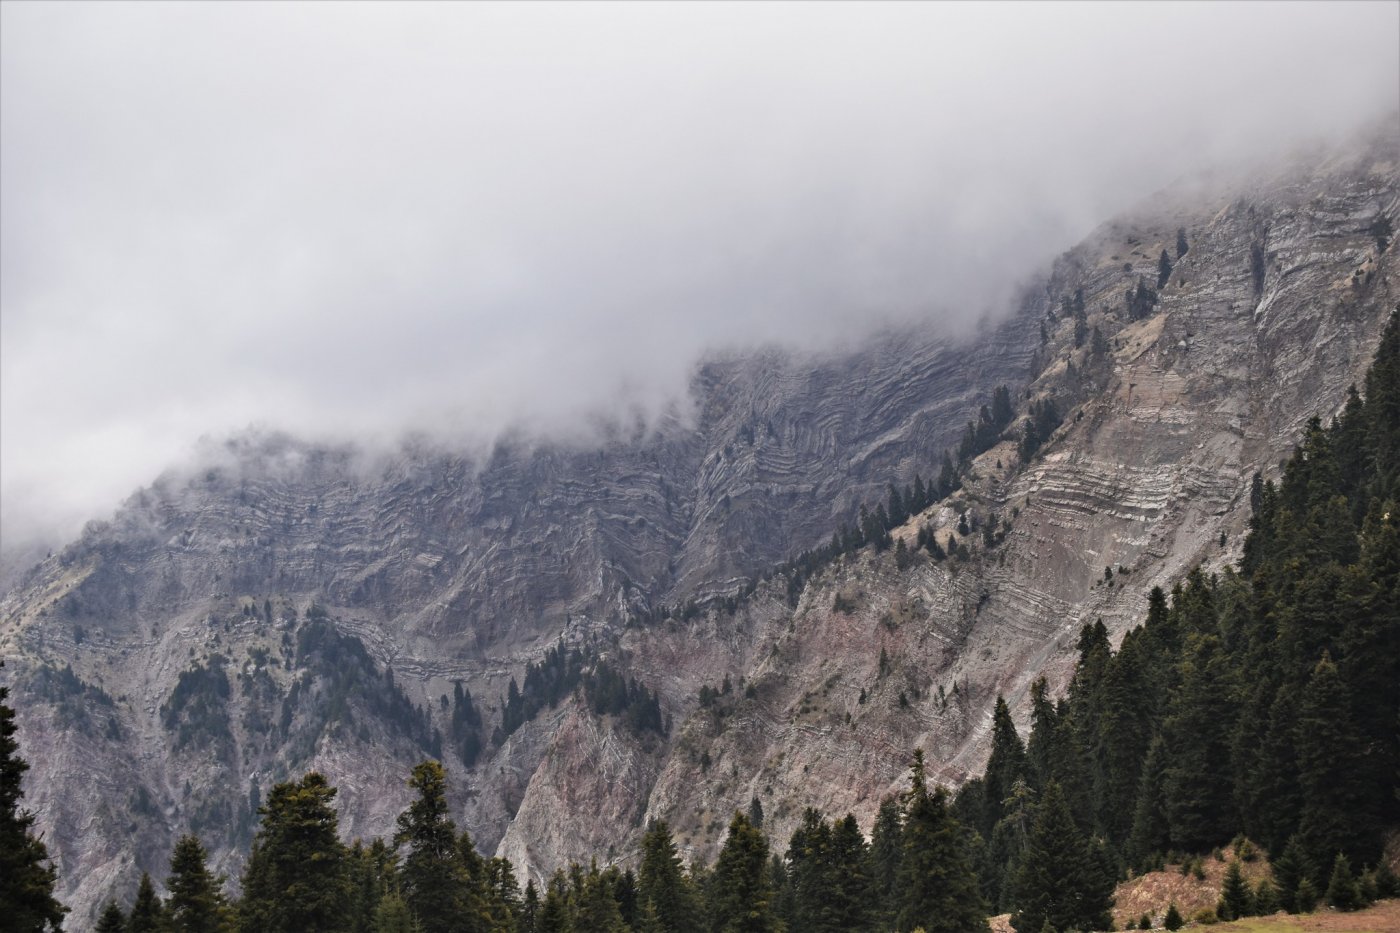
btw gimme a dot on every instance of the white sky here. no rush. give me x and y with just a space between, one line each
351 219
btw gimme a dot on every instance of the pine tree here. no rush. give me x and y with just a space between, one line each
1180 242
662 884
937 887
436 885
556 913
196 903
147 915
1172 920
1306 898
742 891
1342 892
1266 900
112 919
885 854
1005 768
1063 878
596 909
1164 269
811 873
373 872
391 915
297 877
1335 808
26 876
1290 868
1197 787
851 902
1235 899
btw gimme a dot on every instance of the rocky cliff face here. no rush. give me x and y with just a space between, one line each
286 607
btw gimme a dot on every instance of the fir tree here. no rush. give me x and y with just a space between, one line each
1164 269
112 920
1235 898
885 854
297 877
1063 878
26 876
742 892
596 909
1335 806
1266 899
1197 787
1290 868
1005 768
811 873
937 887
1306 898
391 915
851 904
196 903
1172 920
147 915
1342 892
435 882
662 884
1180 242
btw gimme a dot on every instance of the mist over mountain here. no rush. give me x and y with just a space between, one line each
352 223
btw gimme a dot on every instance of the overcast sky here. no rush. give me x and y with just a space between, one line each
351 219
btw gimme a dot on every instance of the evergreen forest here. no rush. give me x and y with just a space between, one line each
1256 706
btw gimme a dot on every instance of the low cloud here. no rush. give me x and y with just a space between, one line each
349 220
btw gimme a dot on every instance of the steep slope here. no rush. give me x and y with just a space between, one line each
286 607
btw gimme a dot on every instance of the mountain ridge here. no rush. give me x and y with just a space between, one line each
1162 430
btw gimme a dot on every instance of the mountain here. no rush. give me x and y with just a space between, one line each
595 633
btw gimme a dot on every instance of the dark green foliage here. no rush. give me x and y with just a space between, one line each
1217 717
391 915
546 683
466 725
937 886
26 876
1164 269
1342 890
1382 229
1173 919
885 854
1306 899
1265 898
79 704
435 882
595 906
1289 869
1139 301
1335 808
373 872
147 914
1063 878
111 920
663 890
1043 419
1005 768
827 876
740 890
611 694
1236 900
1198 791
346 681
197 710
196 903
297 877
